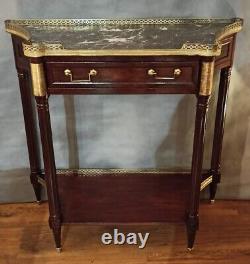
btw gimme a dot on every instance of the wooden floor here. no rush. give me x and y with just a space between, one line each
224 237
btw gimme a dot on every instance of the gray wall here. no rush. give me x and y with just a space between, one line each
124 131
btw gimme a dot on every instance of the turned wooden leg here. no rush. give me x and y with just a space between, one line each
41 97
55 225
206 85
219 130
192 220
49 168
192 223
30 129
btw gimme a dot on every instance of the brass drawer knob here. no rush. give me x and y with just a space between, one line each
153 73
91 73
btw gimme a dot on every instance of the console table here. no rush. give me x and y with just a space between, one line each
129 56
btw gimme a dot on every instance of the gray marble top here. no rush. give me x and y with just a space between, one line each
162 35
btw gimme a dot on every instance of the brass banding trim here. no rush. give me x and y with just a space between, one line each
17 30
207 73
230 29
206 182
35 50
226 43
38 79
41 180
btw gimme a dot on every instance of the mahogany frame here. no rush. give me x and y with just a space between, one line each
56 181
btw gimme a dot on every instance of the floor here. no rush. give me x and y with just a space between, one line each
224 237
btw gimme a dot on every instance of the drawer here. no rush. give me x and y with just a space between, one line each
122 77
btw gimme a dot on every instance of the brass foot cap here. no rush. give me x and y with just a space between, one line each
212 201
39 202
59 250
190 249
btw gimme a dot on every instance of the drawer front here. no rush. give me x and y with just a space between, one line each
122 77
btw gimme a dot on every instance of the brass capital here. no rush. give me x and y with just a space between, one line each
207 74
38 79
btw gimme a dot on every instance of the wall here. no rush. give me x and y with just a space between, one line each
124 131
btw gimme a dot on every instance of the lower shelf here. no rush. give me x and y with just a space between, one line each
121 195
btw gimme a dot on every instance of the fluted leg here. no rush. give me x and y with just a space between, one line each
55 225
192 220
49 167
30 129
219 130
192 223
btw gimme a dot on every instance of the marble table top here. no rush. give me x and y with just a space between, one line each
152 36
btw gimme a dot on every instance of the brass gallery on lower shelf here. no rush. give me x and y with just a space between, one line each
98 172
